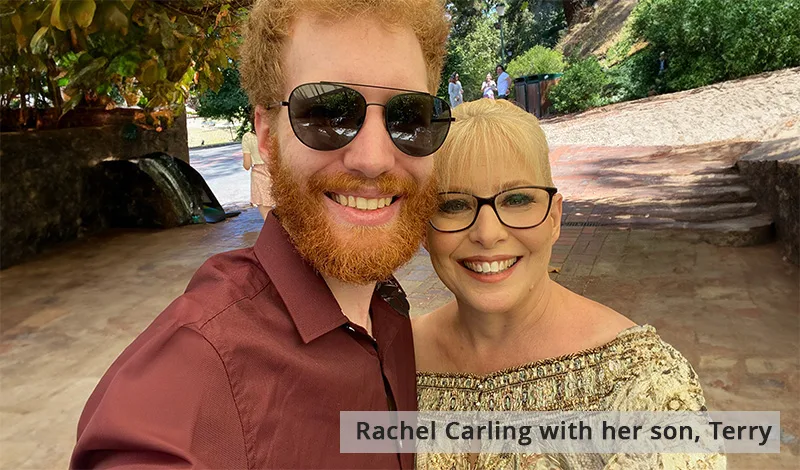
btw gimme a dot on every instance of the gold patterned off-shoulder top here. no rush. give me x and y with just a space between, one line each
637 371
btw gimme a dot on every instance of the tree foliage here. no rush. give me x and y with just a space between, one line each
581 87
65 54
473 57
536 60
474 45
228 102
706 41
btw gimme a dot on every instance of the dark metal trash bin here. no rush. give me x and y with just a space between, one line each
531 92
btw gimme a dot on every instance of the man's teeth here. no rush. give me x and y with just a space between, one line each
362 203
493 267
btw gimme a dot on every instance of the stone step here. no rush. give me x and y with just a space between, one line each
698 213
755 229
675 196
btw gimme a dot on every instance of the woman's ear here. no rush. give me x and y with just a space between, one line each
556 210
425 239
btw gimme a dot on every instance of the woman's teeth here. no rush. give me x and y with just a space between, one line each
361 203
493 267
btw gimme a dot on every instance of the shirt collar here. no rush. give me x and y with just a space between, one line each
308 299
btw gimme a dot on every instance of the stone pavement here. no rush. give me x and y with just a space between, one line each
222 169
733 312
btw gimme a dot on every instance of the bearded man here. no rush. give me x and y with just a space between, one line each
252 365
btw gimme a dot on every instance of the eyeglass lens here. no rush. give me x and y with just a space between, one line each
328 116
516 208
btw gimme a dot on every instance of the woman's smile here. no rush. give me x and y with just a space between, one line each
490 269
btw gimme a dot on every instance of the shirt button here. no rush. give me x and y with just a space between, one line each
350 328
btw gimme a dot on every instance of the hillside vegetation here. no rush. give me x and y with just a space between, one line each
628 50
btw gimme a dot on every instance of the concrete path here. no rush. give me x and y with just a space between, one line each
222 169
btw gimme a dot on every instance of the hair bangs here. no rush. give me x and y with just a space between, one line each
489 137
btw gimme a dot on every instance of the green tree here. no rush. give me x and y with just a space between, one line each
105 53
581 87
474 46
228 102
473 57
706 41
537 59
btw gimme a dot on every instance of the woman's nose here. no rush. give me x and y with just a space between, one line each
487 230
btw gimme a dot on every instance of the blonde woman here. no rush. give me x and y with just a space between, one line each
259 176
513 340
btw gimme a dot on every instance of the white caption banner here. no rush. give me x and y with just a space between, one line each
641 432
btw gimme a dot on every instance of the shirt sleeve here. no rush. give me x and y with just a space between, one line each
165 403
246 143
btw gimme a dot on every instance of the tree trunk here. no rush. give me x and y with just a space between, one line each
571 9
55 90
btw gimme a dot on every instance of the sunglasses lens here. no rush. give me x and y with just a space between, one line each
326 116
418 123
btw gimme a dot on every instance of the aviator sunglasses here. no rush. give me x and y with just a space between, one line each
329 115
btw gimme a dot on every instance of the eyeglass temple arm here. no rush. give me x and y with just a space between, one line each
276 104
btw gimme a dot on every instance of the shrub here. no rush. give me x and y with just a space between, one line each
707 41
634 77
580 88
536 60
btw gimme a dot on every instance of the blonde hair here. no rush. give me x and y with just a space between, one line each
270 24
489 134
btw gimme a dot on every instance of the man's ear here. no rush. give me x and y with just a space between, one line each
262 123
555 215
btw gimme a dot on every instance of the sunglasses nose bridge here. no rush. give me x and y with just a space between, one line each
371 151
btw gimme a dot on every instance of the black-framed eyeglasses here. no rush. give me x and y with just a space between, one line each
521 207
328 116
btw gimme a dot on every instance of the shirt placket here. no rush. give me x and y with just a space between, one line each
358 332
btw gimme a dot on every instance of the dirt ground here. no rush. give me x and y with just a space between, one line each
740 109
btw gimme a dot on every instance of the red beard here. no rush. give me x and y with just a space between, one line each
360 254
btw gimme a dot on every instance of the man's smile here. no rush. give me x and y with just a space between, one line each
362 203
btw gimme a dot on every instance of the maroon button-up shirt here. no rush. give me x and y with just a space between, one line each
249 369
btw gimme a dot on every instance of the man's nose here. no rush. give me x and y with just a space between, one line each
372 152
487 230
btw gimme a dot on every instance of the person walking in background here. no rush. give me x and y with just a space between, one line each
503 83
455 90
488 87
259 176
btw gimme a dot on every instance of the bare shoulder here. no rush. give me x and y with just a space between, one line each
601 323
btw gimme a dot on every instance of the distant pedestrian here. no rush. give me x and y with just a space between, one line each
259 176
455 90
503 83
488 87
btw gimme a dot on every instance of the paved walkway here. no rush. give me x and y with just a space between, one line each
222 169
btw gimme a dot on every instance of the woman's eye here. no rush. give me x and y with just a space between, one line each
454 206
517 199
